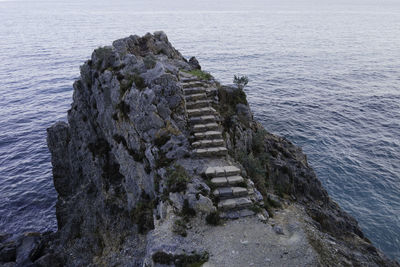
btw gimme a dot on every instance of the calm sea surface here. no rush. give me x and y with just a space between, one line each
324 74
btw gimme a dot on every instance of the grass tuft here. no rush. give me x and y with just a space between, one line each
203 75
177 179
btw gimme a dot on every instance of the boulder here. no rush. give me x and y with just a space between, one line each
194 63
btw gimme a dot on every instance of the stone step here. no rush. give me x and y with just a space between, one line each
208 143
212 126
236 214
195 90
203 119
211 151
201 111
226 181
193 84
184 74
234 203
230 192
198 104
209 135
189 79
211 90
195 97
223 171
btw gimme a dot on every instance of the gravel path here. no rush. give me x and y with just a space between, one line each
249 242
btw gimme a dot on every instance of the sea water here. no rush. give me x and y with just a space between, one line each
324 74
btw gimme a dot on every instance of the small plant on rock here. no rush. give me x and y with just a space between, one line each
177 179
240 81
213 218
142 215
149 61
203 75
139 81
187 211
179 227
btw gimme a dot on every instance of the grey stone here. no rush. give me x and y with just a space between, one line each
162 210
203 205
232 180
239 191
232 215
246 213
8 252
225 191
177 200
220 181
227 204
4 237
193 84
262 218
163 111
194 90
196 97
25 247
259 197
160 35
278 230
194 63
48 260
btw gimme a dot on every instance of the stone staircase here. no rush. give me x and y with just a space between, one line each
229 188
206 132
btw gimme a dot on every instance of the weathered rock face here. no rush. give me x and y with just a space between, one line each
131 192
126 124
279 167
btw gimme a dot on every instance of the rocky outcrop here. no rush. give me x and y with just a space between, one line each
161 165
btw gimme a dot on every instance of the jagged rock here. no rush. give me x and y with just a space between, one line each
278 230
177 200
262 218
48 260
4 237
202 204
194 63
128 125
8 252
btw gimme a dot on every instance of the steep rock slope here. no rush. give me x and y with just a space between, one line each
161 165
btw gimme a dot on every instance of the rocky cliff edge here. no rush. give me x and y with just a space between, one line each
132 172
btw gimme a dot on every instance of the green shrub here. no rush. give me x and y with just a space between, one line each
139 81
124 108
177 179
142 215
256 208
241 81
213 218
127 81
273 203
210 185
255 169
125 85
104 54
268 207
149 61
258 141
180 227
187 211
181 260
